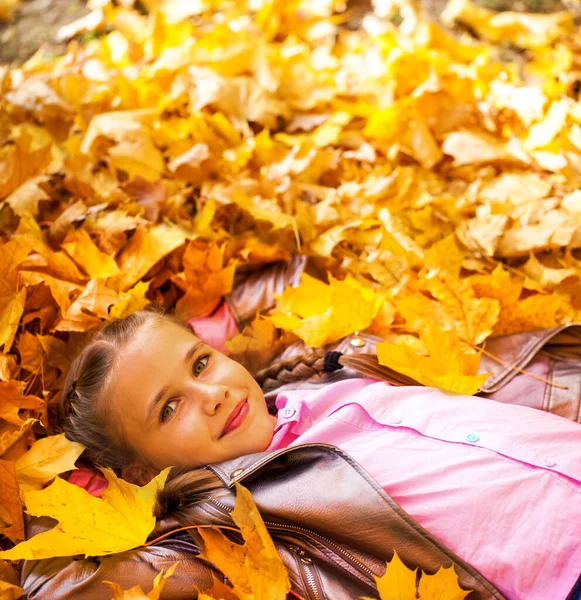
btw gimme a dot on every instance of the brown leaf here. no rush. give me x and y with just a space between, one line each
65 220
149 194
21 160
145 248
207 279
11 519
26 198
10 434
12 400
89 308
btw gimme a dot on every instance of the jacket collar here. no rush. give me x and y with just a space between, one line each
239 469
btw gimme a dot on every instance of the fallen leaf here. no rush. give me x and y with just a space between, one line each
398 582
130 301
47 458
11 309
12 400
255 569
320 314
151 195
20 161
441 586
121 519
98 265
11 519
472 147
258 344
447 367
13 433
522 29
145 248
206 279
10 591
136 593
89 308
133 150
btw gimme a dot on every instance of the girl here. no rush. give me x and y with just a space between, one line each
344 469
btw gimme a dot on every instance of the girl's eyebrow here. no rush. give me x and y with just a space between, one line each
161 394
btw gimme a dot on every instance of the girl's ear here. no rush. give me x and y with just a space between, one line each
137 474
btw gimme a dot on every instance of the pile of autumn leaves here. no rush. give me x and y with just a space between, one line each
436 186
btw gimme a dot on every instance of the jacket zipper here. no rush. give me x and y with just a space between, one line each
305 561
348 556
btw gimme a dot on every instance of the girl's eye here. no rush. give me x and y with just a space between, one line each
200 364
168 410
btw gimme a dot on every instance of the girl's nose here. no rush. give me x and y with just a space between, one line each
211 395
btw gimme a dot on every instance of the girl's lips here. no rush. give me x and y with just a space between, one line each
236 417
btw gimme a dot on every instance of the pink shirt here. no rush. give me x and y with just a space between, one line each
499 484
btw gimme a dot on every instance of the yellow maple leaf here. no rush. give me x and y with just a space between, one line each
255 569
145 248
130 301
441 586
47 458
399 583
85 253
136 593
320 314
447 367
120 520
206 279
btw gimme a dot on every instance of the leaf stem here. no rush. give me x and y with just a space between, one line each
518 369
161 537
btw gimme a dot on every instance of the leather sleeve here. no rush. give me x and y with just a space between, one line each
81 578
257 291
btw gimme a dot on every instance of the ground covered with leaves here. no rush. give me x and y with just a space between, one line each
176 144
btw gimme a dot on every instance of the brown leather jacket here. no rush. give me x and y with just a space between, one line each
333 525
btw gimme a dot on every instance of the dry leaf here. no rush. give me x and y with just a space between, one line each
46 459
79 246
20 161
207 279
255 569
12 400
11 520
146 247
120 520
522 29
320 314
89 308
441 586
398 582
447 367
136 593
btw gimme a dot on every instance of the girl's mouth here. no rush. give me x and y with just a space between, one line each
236 418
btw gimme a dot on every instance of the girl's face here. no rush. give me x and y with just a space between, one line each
181 403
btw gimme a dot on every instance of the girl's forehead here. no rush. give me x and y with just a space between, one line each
154 346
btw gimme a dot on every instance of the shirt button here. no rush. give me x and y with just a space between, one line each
548 461
393 420
236 473
472 437
288 412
